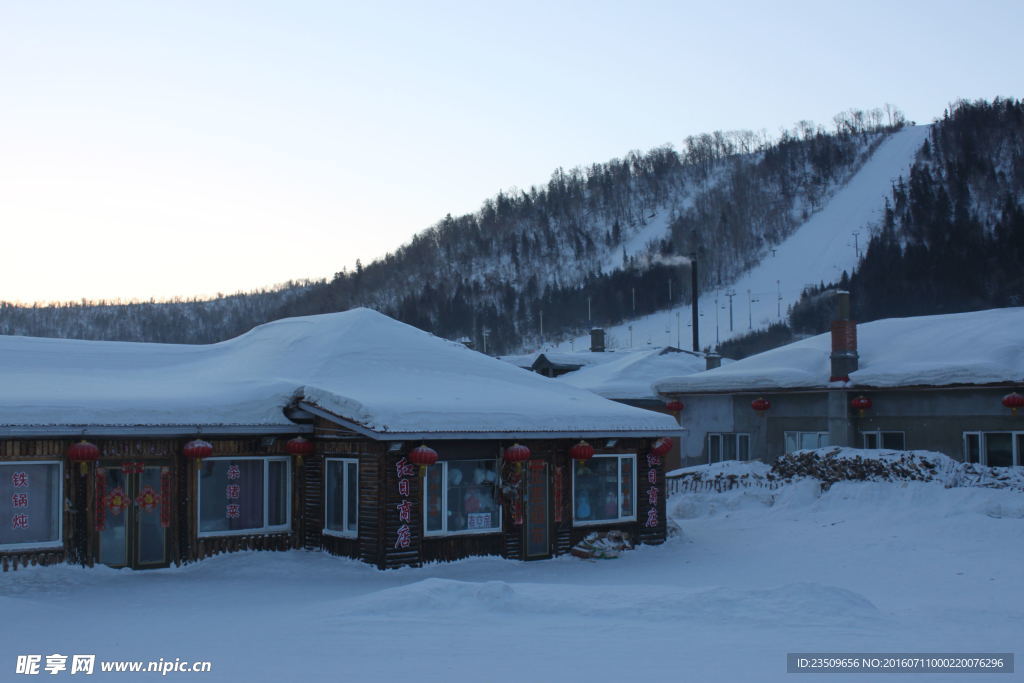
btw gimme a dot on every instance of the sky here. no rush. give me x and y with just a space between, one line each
180 149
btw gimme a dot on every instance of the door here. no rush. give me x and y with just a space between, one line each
538 523
131 514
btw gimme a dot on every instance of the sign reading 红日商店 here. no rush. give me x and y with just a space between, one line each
404 469
653 493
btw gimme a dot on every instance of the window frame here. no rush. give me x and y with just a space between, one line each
799 438
444 502
266 528
879 435
58 503
1016 446
345 462
618 488
737 437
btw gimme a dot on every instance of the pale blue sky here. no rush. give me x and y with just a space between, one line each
152 149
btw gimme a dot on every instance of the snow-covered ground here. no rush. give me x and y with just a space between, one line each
866 567
818 251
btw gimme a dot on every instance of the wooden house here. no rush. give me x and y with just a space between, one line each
307 433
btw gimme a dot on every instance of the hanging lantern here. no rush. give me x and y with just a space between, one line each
675 405
299 447
860 404
761 405
661 446
197 449
581 452
424 456
518 454
83 453
1013 400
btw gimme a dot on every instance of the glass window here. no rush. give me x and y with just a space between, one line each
461 498
743 446
972 447
244 495
894 441
341 497
604 489
30 504
805 440
998 449
728 446
871 440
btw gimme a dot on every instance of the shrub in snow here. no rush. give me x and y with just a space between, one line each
602 545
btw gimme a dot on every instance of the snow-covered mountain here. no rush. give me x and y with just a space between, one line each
828 243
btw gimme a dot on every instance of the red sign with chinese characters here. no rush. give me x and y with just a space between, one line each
653 492
404 469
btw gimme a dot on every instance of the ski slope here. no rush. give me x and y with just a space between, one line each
818 251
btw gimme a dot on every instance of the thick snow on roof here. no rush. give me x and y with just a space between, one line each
359 365
962 348
632 375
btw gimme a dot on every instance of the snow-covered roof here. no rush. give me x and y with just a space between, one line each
982 347
379 375
632 375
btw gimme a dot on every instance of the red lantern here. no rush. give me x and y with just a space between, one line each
518 454
675 405
300 446
761 405
582 451
1013 400
197 449
83 453
860 404
661 446
424 456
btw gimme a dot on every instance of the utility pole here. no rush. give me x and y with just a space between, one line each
778 299
856 243
542 328
730 293
693 301
750 310
630 336
589 318
716 323
670 291
634 302
678 336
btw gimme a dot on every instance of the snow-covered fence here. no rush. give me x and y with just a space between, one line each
697 484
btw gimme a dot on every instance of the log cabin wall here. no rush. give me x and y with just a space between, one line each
367 545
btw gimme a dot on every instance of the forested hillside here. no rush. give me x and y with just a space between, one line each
953 235
563 256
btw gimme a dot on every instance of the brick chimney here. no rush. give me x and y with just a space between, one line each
712 361
597 340
844 359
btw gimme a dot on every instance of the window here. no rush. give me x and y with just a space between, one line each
341 497
994 449
460 498
244 495
800 441
728 446
31 494
604 489
888 440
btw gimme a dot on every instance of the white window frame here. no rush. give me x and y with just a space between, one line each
736 436
1017 454
618 471
345 462
266 528
799 438
877 433
444 502
58 503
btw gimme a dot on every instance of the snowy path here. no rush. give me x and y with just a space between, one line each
867 567
818 251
